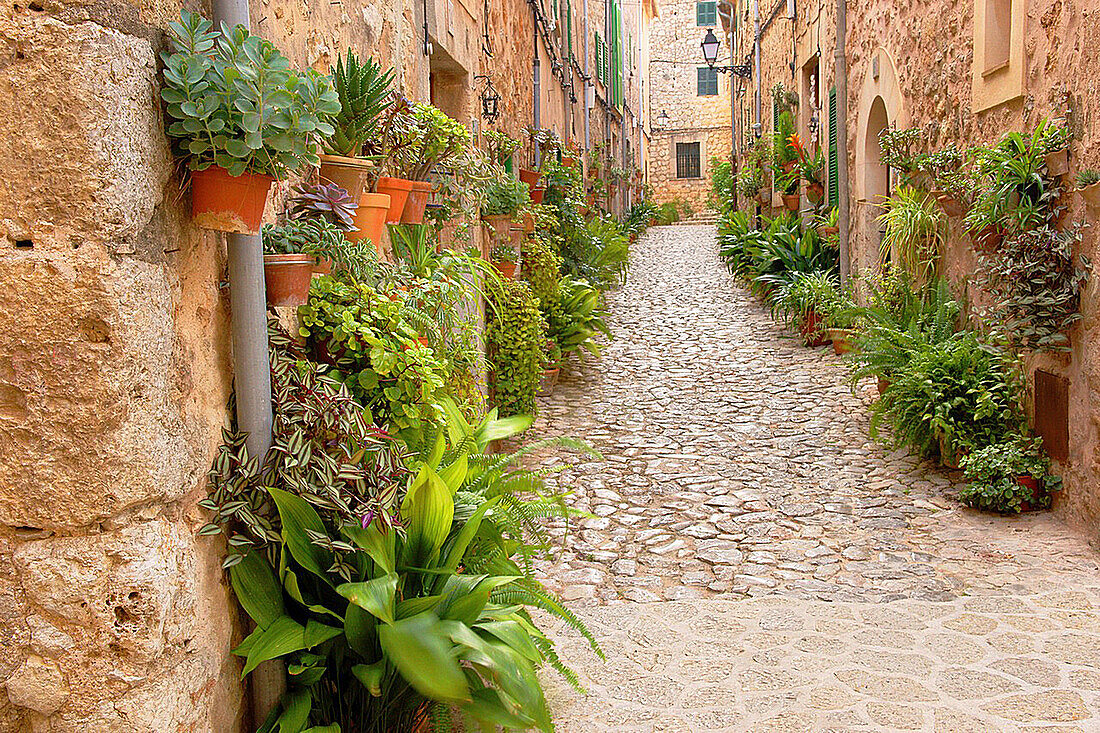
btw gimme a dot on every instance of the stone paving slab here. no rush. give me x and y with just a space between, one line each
737 472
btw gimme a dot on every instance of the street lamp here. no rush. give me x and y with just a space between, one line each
662 119
710 46
490 100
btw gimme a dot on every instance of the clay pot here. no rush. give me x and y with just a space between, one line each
349 174
398 191
812 329
883 385
506 269
370 219
988 239
791 201
549 380
763 197
530 177
950 205
1058 162
528 223
569 161
949 458
815 192
828 231
500 226
839 337
228 203
537 194
1030 482
286 278
416 203
1091 194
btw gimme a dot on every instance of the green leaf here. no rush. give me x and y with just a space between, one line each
318 633
295 713
454 475
257 589
379 545
371 676
298 517
421 651
375 596
428 511
283 636
469 530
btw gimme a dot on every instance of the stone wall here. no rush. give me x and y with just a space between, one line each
675 55
917 60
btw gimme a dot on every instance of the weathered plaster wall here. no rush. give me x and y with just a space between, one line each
674 57
925 79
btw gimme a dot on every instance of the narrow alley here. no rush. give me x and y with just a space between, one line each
754 561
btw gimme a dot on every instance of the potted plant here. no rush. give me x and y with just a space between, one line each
784 156
328 202
1088 185
501 147
503 257
545 143
394 136
241 117
827 224
432 140
552 367
915 232
805 302
1055 144
364 91
291 251
809 169
504 198
1011 476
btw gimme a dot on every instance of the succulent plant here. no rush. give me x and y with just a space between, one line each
324 201
364 91
1088 177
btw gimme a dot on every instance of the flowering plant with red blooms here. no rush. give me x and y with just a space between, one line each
809 168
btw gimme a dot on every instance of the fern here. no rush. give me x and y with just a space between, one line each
530 592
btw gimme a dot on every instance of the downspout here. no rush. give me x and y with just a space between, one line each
587 82
251 366
759 108
843 203
537 85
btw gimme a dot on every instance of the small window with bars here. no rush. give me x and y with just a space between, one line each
706 13
687 161
706 83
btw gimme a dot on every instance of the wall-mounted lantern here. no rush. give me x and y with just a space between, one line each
710 47
490 100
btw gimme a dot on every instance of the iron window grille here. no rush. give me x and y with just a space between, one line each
687 161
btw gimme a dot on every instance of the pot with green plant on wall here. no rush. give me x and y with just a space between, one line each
545 144
240 117
364 91
1088 185
504 198
326 202
1010 477
432 141
291 251
552 369
503 256
1056 148
914 233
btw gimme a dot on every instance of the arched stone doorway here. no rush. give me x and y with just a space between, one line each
881 105
876 175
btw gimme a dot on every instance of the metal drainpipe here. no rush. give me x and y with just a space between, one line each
251 365
759 111
537 85
842 140
584 99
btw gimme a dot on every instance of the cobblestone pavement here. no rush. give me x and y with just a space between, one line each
753 561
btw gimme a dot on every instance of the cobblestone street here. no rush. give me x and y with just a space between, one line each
753 561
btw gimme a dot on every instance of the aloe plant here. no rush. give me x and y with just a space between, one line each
364 91
235 101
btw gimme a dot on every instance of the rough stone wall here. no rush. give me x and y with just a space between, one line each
925 56
675 55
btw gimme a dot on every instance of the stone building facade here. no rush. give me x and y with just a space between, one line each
691 104
115 360
964 72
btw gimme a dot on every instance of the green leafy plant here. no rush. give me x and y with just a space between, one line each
951 397
781 252
545 145
896 148
575 316
807 301
915 232
750 179
506 195
541 269
500 253
323 201
1087 178
430 141
723 184
514 335
308 236
364 93
783 153
374 348
235 101
501 147
1036 282
993 474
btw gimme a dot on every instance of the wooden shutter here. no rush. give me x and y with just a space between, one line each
834 169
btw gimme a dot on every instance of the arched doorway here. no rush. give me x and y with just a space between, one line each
876 175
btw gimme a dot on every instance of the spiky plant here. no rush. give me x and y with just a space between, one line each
364 90
324 201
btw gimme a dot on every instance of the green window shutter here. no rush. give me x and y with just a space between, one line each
569 25
775 114
834 168
596 48
706 13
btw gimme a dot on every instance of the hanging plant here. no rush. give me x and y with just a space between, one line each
915 232
515 334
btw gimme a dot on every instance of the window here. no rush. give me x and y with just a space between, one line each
687 160
706 13
834 163
707 82
998 34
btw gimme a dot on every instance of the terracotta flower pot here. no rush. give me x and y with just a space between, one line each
883 385
569 161
791 201
812 329
370 219
950 205
828 231
528 223
416 203
988 239
537 194
1091 194
840 338
398 191
530 177
349 174
815 192
763 197
549 380
1058 162
1038 493
286 278
228 203
499 225
506 269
